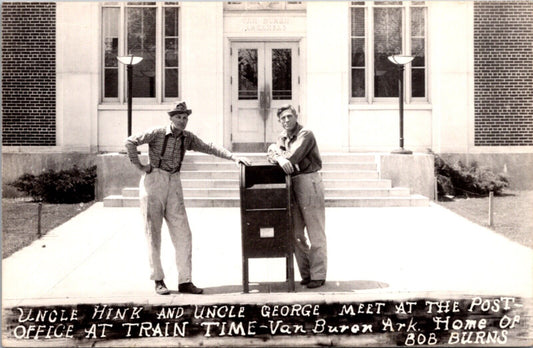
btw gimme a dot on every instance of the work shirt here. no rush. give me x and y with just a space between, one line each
175 148
300 148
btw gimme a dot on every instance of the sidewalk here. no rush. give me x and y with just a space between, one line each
99 256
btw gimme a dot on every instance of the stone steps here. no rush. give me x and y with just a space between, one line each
230 166
233 202
234 175
234 184
132 192
350 180
195 157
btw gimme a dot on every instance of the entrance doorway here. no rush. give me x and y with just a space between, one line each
264 76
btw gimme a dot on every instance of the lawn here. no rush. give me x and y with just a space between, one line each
20 220
512 214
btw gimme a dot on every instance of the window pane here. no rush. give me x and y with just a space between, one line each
110 25
388 2
110 35
418 51
140 3
110 51
281 74
418 83
358 22
171 22
417 22
358 83
358 52
141 42
247 73
171 83
263 5
171 53
110 83
387 41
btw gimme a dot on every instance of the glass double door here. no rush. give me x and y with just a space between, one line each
264 76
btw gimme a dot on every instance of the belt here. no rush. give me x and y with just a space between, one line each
302 173
173 171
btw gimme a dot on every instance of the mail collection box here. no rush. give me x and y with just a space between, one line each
266 229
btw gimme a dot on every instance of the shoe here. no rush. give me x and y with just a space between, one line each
305 281
161 288
189 288
315 283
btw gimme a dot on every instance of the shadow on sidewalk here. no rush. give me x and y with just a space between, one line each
281 287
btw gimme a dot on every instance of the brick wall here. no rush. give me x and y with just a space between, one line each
28 74
503 73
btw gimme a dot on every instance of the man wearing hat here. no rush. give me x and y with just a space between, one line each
296 152
161 194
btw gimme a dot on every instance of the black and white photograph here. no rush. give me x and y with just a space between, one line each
267 173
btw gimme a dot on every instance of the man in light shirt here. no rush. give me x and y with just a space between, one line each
296 151
161 193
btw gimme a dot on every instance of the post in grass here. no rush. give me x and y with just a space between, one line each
491 197
39 211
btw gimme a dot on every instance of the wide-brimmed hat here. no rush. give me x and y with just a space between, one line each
180 108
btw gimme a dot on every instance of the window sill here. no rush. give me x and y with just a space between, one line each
144 106
389 106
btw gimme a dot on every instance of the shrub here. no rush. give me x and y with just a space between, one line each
459 179
66 186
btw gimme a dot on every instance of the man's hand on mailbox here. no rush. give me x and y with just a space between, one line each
285 164
243 160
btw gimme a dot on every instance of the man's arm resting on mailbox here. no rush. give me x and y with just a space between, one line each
275 154
300 148
274 151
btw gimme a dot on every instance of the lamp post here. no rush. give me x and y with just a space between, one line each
129 61
401 61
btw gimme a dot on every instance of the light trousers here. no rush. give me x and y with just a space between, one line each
161 196
309 214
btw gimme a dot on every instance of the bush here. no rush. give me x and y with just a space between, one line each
462 180
66 186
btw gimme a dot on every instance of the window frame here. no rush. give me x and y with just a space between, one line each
247 5
122 50
368 10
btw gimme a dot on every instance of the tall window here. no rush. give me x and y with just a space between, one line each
146 29
380 29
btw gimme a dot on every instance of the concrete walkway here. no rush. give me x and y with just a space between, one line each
99 256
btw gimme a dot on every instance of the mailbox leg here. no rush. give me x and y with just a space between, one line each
290 272
245 287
